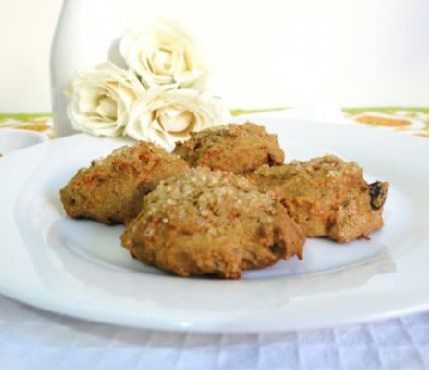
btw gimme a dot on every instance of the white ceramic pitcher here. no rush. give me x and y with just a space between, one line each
86 35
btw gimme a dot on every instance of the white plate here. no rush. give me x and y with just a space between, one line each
78 267
15 139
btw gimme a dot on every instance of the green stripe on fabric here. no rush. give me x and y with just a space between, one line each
240 111
24 117
385 109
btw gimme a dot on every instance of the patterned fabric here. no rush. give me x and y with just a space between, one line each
39 122
412 121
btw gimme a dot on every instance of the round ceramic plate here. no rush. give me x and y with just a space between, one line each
14 139
78 267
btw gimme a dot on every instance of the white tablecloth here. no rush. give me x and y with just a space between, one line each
34 339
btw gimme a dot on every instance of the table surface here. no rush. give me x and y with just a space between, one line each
35 339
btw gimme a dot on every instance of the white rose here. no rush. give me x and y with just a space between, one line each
163 55
101 99
167 116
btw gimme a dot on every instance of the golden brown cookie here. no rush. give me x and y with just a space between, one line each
327 197
217 223
111 190
235 148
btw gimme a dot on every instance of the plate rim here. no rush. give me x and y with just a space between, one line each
49 302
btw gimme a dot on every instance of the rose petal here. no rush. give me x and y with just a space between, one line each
163 55
167 116
101 100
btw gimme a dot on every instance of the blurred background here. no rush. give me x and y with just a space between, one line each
261 53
